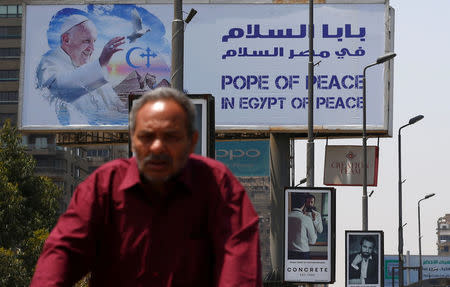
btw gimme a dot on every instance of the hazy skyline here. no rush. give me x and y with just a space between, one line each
420 74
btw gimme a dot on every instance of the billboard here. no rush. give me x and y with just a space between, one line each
245 157
344 165
364 253
254 60
309 235
433 267
81 62
251 57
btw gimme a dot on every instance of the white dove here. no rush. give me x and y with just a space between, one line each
139 31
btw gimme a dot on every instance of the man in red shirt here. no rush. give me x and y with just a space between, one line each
163 218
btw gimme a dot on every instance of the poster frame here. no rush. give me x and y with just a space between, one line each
372 169
329 264
206 138
358 235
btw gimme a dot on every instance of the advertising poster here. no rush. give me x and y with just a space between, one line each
434 268
364 253
245 157
344 165
203 122
251 58
81 63
254 58
309 235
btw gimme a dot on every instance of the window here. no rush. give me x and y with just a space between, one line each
10 32
445 248
98 153
9 52
60 163
60 184
7 116
9 97
9 75
444 238
41 143
25 140
91 169
10 11
43 162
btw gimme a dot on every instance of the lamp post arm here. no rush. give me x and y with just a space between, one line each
368 66
404 126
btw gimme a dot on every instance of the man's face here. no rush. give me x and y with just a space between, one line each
79 41
309 203
161 141
366 249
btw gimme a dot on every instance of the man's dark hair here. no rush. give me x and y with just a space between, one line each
165 94
309 195
369 239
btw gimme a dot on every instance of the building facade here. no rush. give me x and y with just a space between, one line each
443 235
10 42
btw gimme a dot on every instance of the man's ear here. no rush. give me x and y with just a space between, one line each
194 140
133 149
65 38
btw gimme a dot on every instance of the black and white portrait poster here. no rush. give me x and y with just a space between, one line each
309 229
364 254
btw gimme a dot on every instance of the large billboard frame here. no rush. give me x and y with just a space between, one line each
343 130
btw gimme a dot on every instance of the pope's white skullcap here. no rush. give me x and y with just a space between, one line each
71 21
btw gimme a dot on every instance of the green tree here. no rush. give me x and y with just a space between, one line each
29 208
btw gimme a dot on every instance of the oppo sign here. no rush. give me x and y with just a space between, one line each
244 158
237 153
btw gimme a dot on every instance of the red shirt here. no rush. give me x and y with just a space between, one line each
202 233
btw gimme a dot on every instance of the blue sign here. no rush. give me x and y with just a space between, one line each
433 267
244 158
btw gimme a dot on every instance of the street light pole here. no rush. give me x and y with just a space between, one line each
420 236
400 182
365 216
177 46
310 143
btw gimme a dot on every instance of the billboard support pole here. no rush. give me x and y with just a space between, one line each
279 178
176 80
310 144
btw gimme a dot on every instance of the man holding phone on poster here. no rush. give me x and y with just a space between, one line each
310 210
302 228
